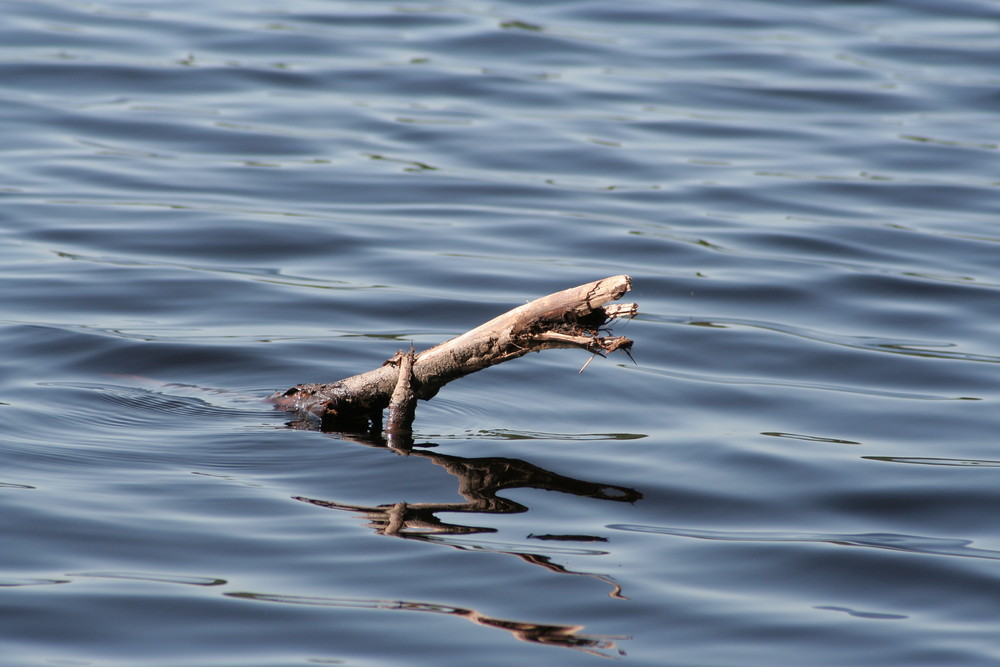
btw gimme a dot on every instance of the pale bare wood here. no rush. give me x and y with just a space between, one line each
403 402
613 310
566 319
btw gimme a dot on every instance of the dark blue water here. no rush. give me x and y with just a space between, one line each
201 203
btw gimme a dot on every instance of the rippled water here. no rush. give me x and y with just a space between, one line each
203 203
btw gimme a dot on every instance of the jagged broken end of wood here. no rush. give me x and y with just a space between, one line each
573 318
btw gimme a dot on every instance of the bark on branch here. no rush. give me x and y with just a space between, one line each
571 318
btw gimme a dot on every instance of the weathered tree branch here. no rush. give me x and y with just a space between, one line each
566 319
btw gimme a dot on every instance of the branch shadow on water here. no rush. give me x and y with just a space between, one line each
480 480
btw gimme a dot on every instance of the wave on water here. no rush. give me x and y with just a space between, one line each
895 542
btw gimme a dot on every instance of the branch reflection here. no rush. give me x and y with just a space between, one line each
480 480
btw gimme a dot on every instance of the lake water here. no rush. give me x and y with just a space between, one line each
202 203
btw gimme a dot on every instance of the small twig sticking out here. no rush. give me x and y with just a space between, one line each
403 402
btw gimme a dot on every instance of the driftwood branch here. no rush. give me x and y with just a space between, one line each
571 318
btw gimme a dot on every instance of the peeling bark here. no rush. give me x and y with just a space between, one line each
567 319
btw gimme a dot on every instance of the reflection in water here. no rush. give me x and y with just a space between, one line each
479 482
566 636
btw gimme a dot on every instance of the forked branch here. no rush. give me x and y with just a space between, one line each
571 318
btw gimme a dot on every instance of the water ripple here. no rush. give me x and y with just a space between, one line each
894 542
820 386
186 580
936 461
872 615
130 404
916 348
12 485
13 582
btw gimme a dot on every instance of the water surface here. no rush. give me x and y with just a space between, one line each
206 202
